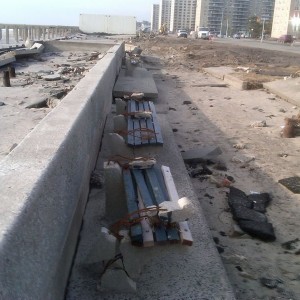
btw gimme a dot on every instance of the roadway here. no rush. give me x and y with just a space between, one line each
266 44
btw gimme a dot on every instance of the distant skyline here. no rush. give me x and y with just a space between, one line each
66 12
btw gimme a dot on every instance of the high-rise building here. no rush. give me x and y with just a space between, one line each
164 13
286 18
155 17
183 13
231 16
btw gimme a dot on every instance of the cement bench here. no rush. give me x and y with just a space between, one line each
141 127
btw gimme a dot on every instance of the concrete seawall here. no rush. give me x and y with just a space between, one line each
44 183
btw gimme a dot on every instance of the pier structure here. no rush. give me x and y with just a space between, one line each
21 32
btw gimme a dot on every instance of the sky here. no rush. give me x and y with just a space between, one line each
66 12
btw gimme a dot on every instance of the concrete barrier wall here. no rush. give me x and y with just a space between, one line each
78 45
44 184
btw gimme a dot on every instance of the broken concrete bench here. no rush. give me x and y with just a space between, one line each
137 122
152 202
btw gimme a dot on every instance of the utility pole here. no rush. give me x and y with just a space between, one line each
263 31
221 23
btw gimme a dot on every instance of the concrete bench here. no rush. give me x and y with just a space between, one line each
138 123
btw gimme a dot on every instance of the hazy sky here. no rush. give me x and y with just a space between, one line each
66 12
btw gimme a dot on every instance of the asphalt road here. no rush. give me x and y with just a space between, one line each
269 45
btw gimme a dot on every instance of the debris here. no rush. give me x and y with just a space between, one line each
292 184
137 96
13 147
262 123
201 154
2 103
239 146
6 79
203 170
38 104
291 245
239 159
270 283
210 85
248 211
53 77
187 102
96 180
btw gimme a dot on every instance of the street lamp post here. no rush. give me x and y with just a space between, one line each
263 30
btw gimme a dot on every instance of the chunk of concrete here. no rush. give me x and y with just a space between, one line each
104 248
136 80
243 213
120 106
118 281
237 197
53 77
262 230
201 154
7 58
120 123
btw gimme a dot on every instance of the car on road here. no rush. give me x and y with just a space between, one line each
182 33
285 39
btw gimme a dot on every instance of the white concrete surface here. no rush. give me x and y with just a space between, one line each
44 184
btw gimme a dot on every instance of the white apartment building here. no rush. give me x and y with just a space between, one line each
155 18
286 18
164 13
183 14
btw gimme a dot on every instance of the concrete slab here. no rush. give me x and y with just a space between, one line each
7 58
135 80
288 90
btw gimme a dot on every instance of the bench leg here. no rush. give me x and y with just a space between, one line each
118 146
120 106
120 123
115 204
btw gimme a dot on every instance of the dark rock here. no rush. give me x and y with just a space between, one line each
220 249
260 201
59 94
291 245
292 184
270 283
230 178
186 102
220 166
240 212
96 180
203 170
175 130
262 230
208 196
216 240
171 108
222 233
201 155
2 103
238 198
239 268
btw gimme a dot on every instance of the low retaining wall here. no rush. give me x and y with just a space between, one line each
44 184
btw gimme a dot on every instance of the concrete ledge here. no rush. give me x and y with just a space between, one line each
44 186
79 45
288 90
226 74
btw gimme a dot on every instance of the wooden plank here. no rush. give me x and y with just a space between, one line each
148 240
160 234
136 233
159 138
130 126
185 234
173 235
154 186
149 123
136 124
161 181
143 122
142 187
170 185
